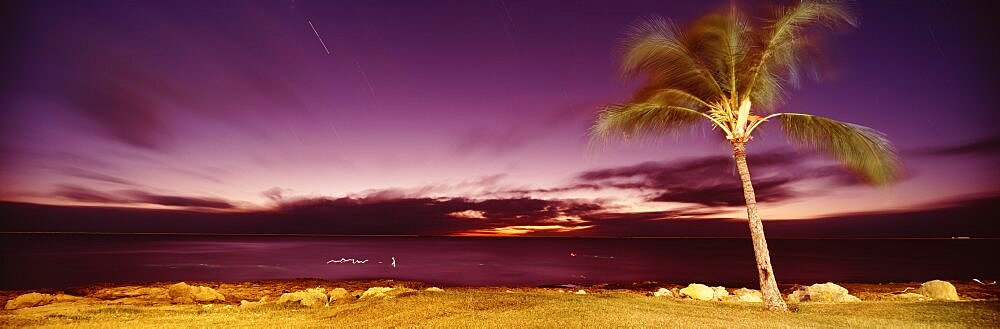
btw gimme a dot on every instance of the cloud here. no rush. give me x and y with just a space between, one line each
517 135
512 211
985 146
524 229
707 186
352 216
377 214
468 214
711 181
122 103
87 195
96 176
137 93
83 194
704 181
494 141
178 201
729 194
960 217
275 194
668 172
476 187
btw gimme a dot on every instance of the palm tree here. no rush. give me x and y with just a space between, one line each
727 69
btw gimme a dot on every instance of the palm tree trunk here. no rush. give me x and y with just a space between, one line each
768 285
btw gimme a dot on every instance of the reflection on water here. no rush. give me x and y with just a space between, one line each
63 260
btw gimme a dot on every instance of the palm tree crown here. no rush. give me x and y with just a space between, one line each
733 72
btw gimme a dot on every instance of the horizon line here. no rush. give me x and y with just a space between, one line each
495 236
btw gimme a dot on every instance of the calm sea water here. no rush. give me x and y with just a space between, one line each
61 260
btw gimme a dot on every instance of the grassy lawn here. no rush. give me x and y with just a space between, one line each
537 308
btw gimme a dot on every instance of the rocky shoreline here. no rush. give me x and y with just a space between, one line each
318 293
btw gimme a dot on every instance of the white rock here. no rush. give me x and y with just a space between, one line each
183 293
938 289
29 300
663 292
822 292
698 291
375 292
719 292
312 297
748 295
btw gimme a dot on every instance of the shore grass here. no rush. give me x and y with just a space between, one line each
471 307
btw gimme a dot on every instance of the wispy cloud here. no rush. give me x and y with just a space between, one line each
711 181
178 201
83 194
122 103
96 176
985 146
125 197
499 139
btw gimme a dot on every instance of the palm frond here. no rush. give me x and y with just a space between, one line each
634 120
721 41
864 150
769 92
783 44
656 48
670 97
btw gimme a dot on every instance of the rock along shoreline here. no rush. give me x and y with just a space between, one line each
321 293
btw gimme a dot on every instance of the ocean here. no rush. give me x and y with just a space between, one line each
63 260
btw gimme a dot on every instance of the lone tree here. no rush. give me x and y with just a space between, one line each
726 68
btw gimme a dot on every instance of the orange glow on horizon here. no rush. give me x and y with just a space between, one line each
520 230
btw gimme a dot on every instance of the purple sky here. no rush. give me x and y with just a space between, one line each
235 105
